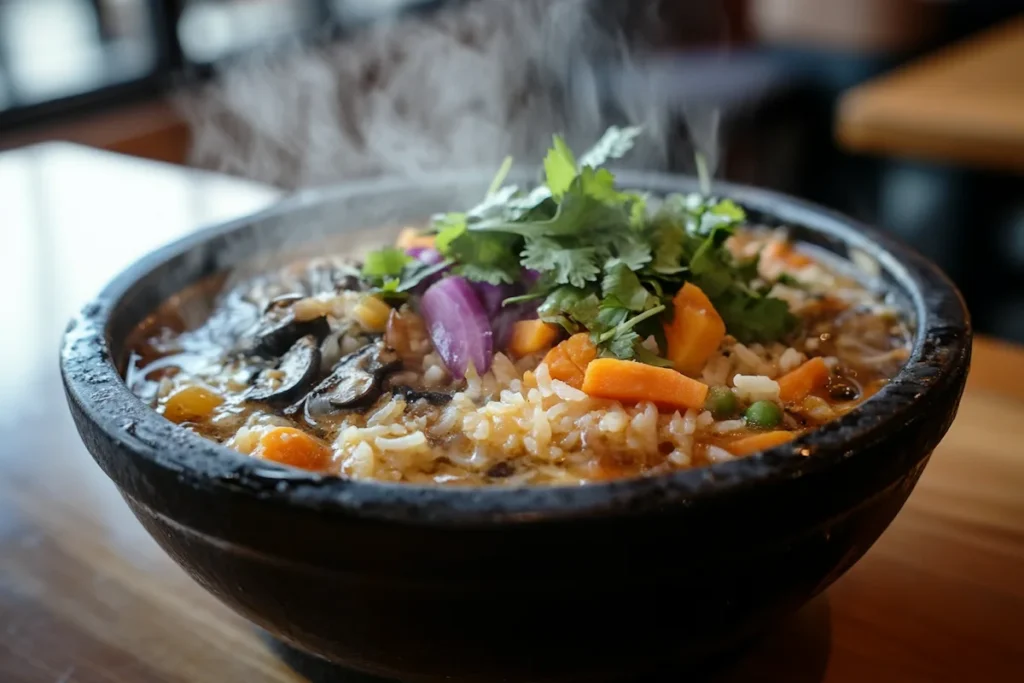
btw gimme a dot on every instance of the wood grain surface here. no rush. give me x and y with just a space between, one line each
87 597
961 105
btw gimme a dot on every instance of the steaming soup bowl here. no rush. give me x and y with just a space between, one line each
587 583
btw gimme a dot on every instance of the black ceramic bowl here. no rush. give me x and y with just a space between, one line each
540 584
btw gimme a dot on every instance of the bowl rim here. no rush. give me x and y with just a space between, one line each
939 358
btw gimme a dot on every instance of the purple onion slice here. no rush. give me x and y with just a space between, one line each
458 325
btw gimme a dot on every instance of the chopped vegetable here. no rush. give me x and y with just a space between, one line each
722 403
763 415
695 332
597 260
493 296
372 313
569 360
290 446
427 255
759 442
411 238
385 263
797 384
458 326
783 251
191 403
531 336
631 382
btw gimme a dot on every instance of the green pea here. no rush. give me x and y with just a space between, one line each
763 415
721 402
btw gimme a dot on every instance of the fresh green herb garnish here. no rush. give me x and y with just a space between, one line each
609 263
385 263
393 273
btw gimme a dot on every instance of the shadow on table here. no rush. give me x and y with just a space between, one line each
796 651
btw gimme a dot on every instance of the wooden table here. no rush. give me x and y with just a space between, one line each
963 105
87 596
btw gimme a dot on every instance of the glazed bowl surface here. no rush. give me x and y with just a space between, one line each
597 582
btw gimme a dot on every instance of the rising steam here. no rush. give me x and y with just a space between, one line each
462 87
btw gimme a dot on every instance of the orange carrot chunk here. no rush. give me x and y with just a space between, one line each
531 336
569 360
581 350
410 238
630 382
695 332
759 442
783 251
193 403
290 446
797 384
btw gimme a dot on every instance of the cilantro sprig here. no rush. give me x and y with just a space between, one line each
609 262
393 274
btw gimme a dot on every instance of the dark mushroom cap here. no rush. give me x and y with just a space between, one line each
300 366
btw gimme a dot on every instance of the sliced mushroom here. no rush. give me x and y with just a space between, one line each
275 337
356 381
434 398
282 301
501 470
300 367
322 278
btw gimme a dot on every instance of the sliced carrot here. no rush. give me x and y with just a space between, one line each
290 446
629 381
581 350
759 442
569 360
695 332
410 238
783 251
797 384
531 336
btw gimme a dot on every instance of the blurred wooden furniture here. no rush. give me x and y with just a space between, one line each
861 26
87 597
963 105
151 130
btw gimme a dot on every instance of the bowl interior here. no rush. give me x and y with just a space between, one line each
361 215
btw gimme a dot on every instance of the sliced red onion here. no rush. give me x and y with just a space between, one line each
530 277
458 326
427 255
491 296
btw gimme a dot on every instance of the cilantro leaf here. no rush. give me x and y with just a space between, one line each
578 213
570 307
485 257
447 227
385 263
499 177
614 144
622 288
648 357
568 265
559 167
630 250
790 281
621 345
621 340
753 318
608 319
415 273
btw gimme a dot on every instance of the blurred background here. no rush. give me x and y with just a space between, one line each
908 114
